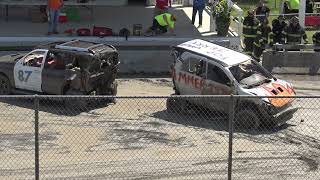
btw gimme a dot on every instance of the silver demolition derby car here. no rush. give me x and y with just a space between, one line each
203 68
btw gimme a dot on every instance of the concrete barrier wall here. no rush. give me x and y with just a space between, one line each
142 61
298 62
137 54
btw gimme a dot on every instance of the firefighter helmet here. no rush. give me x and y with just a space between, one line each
294 19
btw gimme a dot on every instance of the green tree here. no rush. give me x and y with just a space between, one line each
222 12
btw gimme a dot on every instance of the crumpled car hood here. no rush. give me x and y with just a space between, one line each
274 88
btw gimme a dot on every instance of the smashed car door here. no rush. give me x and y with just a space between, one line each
216 83
188 74
27 71
53 74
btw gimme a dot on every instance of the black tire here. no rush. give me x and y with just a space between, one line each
5 86
174 105
114 88
114 91
171 105
247 119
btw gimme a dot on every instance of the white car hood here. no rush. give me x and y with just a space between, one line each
274 88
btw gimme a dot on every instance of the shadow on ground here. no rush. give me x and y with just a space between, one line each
66 107
212 120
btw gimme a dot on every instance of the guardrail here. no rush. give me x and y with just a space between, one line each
235 28
237 20
208 9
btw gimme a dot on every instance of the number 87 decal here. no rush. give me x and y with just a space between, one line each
21 75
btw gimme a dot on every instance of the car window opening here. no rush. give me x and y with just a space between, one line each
249 74
34 59
217 75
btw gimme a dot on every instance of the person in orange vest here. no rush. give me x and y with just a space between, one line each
54 7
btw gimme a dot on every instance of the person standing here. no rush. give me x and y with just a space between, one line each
309 6
198 6
161 7
250 26
294 33
262 11
54 11
264 34
316 40
291 6
278 26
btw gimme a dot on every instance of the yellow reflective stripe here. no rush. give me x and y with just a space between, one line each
256 44
250 36
250 27
248 52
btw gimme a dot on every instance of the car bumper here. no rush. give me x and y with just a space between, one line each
283 115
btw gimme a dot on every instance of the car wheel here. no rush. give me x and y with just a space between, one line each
176 105
5 86
246 119
114 91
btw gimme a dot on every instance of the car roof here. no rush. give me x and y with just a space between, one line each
78 46
214 52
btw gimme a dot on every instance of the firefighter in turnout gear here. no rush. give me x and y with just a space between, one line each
278 26
250 26
264 34
316 40
293 33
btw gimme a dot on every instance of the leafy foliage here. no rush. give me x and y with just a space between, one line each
222 13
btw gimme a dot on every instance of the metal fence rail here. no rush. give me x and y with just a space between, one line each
193 137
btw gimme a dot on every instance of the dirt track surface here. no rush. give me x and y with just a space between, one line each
139 139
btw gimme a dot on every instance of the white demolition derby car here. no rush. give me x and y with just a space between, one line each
203 68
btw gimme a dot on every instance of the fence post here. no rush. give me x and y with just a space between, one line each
36 136
231 121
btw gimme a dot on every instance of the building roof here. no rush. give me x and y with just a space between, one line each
222 55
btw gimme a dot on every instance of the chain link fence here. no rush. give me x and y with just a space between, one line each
68 137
